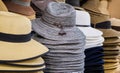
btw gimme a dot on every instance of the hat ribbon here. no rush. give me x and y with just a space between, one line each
14 38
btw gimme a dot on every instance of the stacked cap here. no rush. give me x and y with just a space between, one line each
21 7
94 41
56 29
19 53
111 46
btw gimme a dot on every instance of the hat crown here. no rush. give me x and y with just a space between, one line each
103 25
11 23
82 18
60 13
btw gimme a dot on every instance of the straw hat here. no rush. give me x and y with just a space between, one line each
83 23
111 60
108 66
59 20
112 40
16 38
112 48
21 7
2 6
105 27
28 63
10 68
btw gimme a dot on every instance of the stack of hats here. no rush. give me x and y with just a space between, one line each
21 7
56 29
2 6
18 52
94 41
111 46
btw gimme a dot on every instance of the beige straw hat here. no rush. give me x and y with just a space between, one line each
108 66
15 38
28 63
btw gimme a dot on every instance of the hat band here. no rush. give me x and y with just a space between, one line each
15 38
83 25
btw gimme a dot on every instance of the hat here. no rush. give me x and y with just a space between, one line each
105 27
111 48
21 7
28 63
111 60
58 23
108 66
53 42
83 23
15 38
2 6
112 40
10 68
115 23
24 72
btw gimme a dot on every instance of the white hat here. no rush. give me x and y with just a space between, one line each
83 23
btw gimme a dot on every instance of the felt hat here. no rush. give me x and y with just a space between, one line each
105 27
28 63
21 7
15 42
59 20
115 23
83 23
2 6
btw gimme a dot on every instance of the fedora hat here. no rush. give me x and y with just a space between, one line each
108 32
58 23
15 42
2 6
28 63
115 23
83 23
21 7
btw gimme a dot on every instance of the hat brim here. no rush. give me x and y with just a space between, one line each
21 51
112 48
110 65
29 63
72 33
10 68
90 32
112 40
110 33
111 60
53 42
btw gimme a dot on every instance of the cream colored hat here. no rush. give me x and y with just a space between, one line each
15 38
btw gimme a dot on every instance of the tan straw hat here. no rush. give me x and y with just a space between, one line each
15 38
112 40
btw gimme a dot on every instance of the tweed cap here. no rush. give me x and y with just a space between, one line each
58 23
